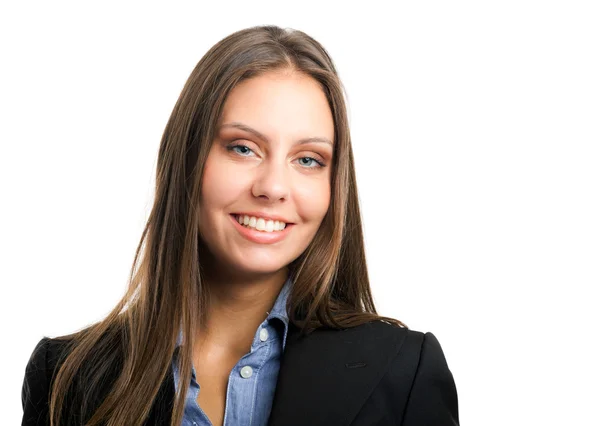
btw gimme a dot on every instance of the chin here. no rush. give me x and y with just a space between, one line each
259 263
264 269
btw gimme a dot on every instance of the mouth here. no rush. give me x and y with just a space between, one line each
266 235
260 224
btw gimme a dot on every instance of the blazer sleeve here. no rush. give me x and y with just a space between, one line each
433 399
34 392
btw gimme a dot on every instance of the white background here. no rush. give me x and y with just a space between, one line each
476 136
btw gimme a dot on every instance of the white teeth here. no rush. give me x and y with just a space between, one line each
261 224
274 227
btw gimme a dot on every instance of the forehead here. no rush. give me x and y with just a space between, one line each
280 104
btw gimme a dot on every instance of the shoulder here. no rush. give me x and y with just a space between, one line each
35 381
432 396
95 374
425 348
39 372
47 354
422 345
410 350
421 377
389 371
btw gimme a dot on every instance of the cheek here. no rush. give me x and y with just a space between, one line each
313 201
219 186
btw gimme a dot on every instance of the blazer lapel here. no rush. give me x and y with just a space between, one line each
326 377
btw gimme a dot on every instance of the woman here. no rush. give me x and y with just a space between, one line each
253 282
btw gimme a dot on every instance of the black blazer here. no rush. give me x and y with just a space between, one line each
372 374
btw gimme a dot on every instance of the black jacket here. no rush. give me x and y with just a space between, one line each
372 374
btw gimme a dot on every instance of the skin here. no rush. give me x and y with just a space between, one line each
244 277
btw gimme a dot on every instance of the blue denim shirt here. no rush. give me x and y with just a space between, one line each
252 380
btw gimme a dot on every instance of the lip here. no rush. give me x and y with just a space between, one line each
265 216
261 237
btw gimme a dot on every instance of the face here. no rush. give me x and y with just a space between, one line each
256 164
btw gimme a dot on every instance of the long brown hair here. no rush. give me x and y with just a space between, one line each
166 291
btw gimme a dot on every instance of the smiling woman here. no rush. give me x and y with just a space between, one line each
271 173
251 302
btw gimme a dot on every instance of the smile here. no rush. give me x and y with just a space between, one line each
265 236
260 224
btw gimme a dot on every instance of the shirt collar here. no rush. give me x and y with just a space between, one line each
278 311
279 307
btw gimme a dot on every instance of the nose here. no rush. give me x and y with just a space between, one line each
272 181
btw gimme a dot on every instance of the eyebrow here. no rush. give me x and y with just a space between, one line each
265 139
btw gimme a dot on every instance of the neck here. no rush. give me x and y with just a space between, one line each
237 307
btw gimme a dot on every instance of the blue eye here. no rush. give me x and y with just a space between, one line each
233 147
315 160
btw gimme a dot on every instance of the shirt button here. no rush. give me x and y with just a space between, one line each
264 334
246 372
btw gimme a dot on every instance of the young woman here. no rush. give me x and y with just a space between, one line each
251 302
